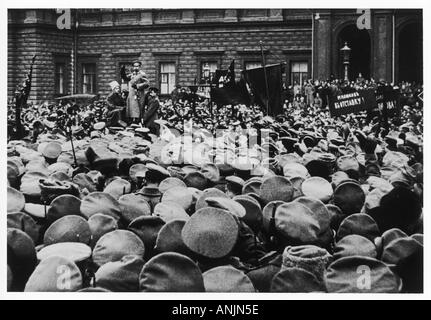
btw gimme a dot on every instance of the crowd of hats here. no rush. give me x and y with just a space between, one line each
314 207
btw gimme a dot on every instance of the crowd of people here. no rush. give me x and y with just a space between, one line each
184 195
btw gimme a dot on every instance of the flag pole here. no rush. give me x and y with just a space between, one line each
265 76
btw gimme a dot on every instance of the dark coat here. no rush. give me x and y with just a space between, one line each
248 247
151 115
262 276
114 100
115 106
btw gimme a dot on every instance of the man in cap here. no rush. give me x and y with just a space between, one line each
150 114
115 105
138 82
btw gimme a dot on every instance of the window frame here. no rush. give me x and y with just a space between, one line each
168 57
92 77
297 56
203 56
82 60
291 74
63 59
160 76
201 64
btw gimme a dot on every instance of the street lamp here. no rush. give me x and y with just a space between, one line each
207 78
346 60
206 72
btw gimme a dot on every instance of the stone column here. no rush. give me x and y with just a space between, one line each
382 48
322 47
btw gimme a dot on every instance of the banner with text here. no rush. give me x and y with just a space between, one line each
352 102
387 104
388 101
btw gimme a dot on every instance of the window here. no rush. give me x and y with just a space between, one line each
60 65
167 77
298 72
212 65
59 78
252 65
88 78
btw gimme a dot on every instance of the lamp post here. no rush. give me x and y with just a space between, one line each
345 51
206 72
207 78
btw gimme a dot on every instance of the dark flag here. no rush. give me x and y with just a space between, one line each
387 104
21 96
230 76
224 77
231 94
255 79
226 90
219 76
390 100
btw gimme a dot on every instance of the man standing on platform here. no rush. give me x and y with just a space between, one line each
138 82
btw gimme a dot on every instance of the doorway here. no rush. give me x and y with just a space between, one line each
360 55
410 53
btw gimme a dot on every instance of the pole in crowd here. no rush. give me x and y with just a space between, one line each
265 76
69 131
21 97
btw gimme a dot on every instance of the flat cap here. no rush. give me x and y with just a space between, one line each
211 232
74 251
24 222
355 245
171 272
120 276
349 197
180 195
169 238
361 224
358 274
55 274
116 244
62 206
276 188
101 224
210 192
169 210
317 187
296 280
15 200
69 228
227 279
133 206
100 202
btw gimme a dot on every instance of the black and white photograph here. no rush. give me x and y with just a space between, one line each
214 150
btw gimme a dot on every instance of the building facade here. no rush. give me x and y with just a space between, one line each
175 45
